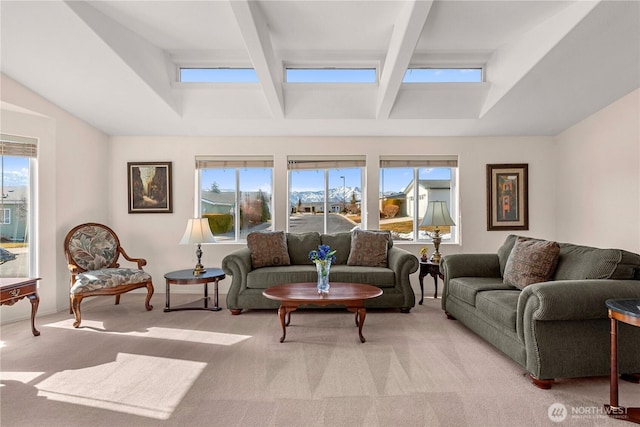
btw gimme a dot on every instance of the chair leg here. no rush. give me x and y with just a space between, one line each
148 306
117 299
76 299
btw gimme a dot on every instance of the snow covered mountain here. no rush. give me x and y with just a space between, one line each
338 194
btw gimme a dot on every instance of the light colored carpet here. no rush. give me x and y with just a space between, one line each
129 367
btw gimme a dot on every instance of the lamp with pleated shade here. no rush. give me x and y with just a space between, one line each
197 232
437 215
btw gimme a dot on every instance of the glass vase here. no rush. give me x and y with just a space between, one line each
323 269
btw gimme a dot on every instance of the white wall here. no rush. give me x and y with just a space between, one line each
599 178
156 236
72 185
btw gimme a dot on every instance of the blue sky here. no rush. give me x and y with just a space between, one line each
15 171
395 179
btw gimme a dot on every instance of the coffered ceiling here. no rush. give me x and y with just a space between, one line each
547 64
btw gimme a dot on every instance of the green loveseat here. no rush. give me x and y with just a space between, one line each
248 283
554 329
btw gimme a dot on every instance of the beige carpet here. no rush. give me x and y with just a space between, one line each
129 367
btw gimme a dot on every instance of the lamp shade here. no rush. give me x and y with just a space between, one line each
197 231
437 214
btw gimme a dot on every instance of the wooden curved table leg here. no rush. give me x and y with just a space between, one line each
35 301
282 312
360 315
288 318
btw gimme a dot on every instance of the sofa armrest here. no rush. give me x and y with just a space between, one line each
573 299
403 263
470 265
237 264
467 265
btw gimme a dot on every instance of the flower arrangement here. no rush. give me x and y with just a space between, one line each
323 258
423 253
323 255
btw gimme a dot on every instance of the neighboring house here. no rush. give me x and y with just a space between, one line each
218 202
13 214
428 190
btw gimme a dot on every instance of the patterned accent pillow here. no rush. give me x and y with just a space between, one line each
268 248
531 261
369 248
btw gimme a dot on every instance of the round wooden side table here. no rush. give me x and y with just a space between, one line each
625 311
186 277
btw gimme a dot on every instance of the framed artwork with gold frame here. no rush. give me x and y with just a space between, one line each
149 187
508 196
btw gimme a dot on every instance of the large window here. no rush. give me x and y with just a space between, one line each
325 193
407 185
236 195
18 163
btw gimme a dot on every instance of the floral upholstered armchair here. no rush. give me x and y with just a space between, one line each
92 252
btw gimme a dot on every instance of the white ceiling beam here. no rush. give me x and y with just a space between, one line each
405 36
513 61
257 39
148 61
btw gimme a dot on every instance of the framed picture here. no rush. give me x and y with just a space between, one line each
507 197
149 187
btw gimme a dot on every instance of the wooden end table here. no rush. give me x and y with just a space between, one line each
293 295
429 268
625 311
186 277
13 289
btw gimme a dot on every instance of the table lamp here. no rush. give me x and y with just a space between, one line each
198 232
437 215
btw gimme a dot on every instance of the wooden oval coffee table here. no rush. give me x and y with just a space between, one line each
293 295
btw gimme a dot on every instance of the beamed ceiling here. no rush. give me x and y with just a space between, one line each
547 64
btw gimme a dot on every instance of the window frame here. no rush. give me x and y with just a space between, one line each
235 163
428 161
325 164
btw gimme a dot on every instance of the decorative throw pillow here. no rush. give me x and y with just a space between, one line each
369 248
531 261
268 249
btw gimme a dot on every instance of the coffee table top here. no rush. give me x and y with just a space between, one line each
308 293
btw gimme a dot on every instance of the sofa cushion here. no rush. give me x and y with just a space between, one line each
583 262
300 244
341 242
499 305
467 288
531 261
369 248
268 248
266 277
505 250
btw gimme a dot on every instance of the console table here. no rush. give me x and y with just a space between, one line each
625 311
186 277
13 289
432 269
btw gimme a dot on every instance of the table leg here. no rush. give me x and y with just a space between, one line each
421 280
166 298
215 293
613 392
35 301
206 295
282 311
435 281
361 314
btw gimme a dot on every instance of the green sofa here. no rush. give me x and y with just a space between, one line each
248 283
554 329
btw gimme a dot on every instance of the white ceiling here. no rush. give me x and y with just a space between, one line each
548 64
